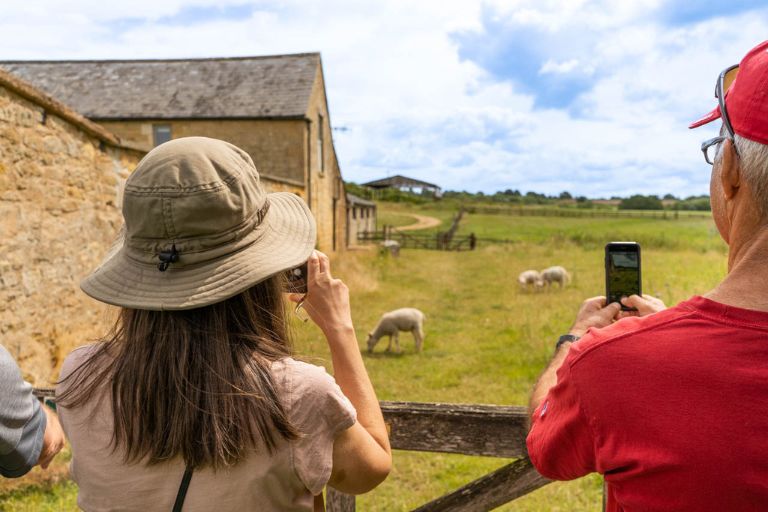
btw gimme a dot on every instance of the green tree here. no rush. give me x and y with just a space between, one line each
641 202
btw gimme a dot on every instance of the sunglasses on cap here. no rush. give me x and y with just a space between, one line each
724 82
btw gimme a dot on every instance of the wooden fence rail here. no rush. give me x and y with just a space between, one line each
523 211
433 241
488 430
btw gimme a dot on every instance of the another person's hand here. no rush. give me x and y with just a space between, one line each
594 313
53 439
327 299
645 305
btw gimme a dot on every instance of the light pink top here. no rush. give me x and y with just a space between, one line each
286 480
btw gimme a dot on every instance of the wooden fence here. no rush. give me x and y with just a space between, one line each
487 430
524 211
433 241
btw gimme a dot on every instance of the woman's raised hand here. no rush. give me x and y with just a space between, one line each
327 298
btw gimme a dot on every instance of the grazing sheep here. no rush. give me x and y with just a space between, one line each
530 278
556 274
391 246
390 324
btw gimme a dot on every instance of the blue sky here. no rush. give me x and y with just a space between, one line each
589 96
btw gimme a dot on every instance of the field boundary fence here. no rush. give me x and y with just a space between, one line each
432 241
523 211
467 429
439 240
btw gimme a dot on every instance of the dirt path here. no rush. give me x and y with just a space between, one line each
422 222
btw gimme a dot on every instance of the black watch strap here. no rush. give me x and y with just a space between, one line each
566 338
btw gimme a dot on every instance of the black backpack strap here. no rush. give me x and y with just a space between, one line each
183 489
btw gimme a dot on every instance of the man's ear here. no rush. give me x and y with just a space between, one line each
730 170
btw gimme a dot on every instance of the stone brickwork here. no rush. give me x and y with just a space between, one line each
328 200
61 178
276 146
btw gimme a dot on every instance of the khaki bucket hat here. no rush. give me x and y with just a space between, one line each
199 228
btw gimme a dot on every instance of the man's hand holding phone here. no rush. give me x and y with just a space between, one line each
642 305
594 312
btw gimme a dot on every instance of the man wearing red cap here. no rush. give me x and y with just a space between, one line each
672 407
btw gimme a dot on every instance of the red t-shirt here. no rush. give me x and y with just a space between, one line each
672 408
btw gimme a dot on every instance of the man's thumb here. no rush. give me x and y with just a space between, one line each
613 309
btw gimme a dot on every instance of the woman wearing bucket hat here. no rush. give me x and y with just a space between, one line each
193 399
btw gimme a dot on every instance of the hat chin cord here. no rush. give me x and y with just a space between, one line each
167 257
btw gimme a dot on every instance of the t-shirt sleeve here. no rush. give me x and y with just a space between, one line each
320 411
22 420
561 444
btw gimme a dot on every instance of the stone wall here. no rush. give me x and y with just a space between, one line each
61 179
276 146
328 199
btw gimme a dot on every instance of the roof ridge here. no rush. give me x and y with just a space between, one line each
194 59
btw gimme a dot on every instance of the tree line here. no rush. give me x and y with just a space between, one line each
516 197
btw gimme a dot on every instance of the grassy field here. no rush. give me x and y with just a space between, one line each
486 341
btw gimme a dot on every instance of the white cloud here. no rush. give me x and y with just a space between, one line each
551 66
395 78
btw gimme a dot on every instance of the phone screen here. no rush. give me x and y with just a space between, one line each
622 270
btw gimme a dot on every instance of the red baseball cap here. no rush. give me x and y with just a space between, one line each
747 98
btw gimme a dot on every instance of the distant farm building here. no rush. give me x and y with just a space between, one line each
361 216
273 107
405 184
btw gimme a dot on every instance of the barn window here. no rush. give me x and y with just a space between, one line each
161 133
354 212
320 142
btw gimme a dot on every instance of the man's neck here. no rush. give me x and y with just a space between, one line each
746 285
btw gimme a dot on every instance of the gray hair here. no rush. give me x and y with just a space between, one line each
753 157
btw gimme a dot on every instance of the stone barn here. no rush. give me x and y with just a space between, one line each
274 107
61 179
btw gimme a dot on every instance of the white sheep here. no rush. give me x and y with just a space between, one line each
530 278
391 323
556 274
391 246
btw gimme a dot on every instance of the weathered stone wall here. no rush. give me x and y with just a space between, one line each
327 187
59 210
276 146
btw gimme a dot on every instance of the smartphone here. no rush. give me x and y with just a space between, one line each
296 279
622 271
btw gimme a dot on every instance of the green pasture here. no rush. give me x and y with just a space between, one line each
486 340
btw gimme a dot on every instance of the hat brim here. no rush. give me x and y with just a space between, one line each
287 241
715 114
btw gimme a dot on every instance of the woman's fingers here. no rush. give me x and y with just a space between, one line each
313 266
325 264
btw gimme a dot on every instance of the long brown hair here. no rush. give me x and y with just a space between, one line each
194 383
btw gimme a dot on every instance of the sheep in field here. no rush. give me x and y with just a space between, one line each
556 274
391 246
530 278
390 324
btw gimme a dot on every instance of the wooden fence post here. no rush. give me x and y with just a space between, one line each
338 501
